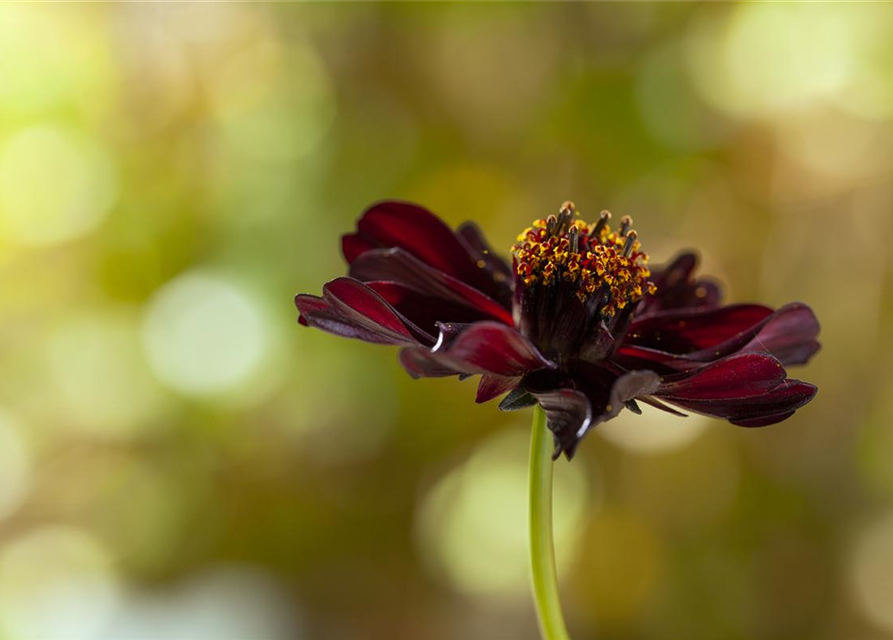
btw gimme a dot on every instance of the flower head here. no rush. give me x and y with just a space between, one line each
578 323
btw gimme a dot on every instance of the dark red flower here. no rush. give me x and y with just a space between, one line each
578 323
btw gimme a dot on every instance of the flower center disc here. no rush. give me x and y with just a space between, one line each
605 265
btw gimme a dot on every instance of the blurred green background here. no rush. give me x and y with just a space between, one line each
179 459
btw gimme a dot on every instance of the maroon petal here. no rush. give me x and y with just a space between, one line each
490 347
676 289
351 309
496 269
419 232
491 387
419 362
397 265
423 309
750 389
737 376
789 335
686 330
308 304
763 421
354 245
483 347
315 312
756 411
474 239
634 357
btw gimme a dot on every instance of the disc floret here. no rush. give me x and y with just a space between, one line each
606 265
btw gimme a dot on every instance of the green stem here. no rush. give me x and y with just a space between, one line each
542 553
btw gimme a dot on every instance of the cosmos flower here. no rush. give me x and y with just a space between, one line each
578 323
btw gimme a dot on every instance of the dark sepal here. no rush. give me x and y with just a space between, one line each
606 394
568 416
517 399
633 406
657 404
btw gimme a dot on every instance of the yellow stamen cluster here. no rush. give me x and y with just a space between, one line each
601 261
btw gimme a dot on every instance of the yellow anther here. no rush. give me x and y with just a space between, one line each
600 260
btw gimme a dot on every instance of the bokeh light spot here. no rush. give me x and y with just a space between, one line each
655 431
754 61
65 64
204 335
225 602
265 119
56 582
99 377
15 465
871 568
55 185
473 524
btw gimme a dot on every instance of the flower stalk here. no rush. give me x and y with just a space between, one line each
542 552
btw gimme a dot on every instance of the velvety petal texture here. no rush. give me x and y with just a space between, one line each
484 347
351 309
493 386
414 229
747 389
401 267
684 339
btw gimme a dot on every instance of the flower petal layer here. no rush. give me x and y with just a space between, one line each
677 289
423 309
683 331
790 335
483 347
351 309
748 389
398 265
686 338
474 239
491 387
394 224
